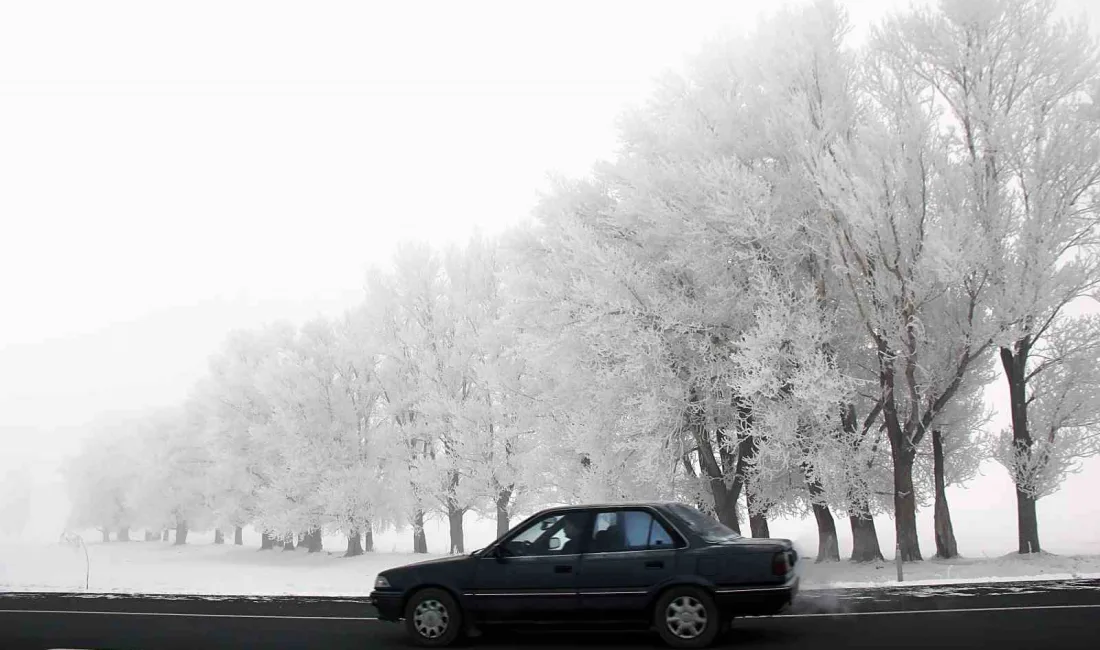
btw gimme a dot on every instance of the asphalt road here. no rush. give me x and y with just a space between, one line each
1060 615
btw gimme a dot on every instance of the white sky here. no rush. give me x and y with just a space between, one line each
169 171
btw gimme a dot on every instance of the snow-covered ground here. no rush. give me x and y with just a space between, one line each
159 567
984 523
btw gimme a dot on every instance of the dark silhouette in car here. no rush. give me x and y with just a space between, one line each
666 566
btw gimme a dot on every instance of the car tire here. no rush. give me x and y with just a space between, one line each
433 619
687 617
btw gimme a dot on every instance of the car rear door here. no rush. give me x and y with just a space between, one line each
534 577
630 553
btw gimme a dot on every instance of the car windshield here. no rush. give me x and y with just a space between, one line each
709 528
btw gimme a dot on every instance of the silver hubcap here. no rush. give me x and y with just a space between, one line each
686 617
430 619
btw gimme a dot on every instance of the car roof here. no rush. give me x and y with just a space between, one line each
619 504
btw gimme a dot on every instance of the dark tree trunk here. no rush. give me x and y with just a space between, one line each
946 547
181 533
902 453
106 532
267 542
725 503
219 536
314 541
905 508
1028 522
454 521
124 534
758 524
716 468
368 537
164 535
150 536
288 542
758 521
238 536
420 538
1014 362
689 469
758 514
302 539
828 548
726 495
355 544
503 500
865 546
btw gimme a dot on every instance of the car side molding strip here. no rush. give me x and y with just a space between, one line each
513 594
741 590
593 592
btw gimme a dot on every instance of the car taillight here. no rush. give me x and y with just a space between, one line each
781 564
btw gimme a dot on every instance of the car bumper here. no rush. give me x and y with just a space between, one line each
762 600
388 605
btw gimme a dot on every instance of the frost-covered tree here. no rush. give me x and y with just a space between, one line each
239 417
1019 90
663 274
955 450
409 453
497 413
460 419
103 478
444 315
791 85
355 485
906 245
178 464
309 421
1062 408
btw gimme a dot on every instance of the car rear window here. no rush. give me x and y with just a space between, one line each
709 528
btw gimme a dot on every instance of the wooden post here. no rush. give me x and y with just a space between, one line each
897 560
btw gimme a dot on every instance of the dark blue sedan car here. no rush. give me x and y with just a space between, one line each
666 566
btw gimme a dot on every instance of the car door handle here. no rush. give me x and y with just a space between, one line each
655 564
563 568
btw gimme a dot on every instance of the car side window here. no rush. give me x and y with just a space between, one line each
659 537
636 525
628 530
557 534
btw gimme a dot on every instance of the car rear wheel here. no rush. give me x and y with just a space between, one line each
686 617
433 618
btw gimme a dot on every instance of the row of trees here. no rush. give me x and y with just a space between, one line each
787 295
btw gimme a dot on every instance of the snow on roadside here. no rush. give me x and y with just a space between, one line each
157 567
1008 568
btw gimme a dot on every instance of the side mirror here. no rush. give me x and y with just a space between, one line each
498 553
555 543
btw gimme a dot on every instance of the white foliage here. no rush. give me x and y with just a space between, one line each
1063 416
1018 89
802 257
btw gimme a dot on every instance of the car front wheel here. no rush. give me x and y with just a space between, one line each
433 618
686 617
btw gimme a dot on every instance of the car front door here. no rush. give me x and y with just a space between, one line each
533 574
629 554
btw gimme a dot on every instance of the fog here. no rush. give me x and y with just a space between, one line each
170 173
